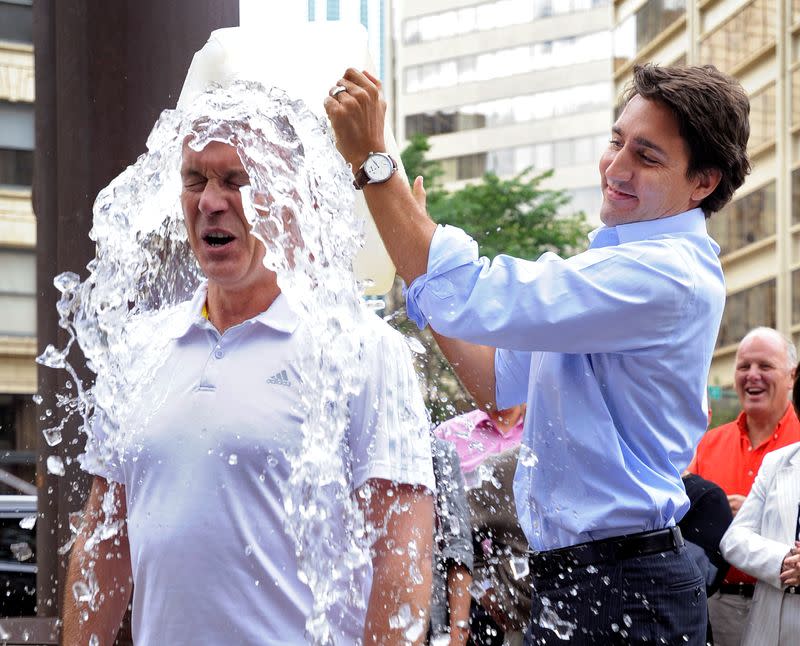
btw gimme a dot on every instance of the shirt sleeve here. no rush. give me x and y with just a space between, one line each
452 510
594 301
100 457
743 545
512 371
390 434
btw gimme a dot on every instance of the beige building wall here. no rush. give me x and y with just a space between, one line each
461 63
759 232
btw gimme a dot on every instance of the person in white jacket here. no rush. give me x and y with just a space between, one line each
763 541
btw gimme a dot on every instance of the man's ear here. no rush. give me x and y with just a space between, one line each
707 181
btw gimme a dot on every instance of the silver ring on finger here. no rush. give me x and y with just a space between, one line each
335 91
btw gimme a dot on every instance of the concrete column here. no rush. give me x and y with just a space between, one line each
104 71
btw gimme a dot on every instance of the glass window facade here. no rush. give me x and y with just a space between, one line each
762 117
741 36
541 156
744 221
17 439
508 62
517 109
16 144
640 28
16 167
16 21
488 15
18 292
745 310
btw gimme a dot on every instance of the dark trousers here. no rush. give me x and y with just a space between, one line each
656 599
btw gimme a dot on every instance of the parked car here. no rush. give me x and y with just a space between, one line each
17 556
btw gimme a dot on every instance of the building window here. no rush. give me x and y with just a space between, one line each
471 166
508 62
745 310
517 109
746 220
796 98
796 296
762 117
16 143
16 167
796 196
18 292
639 29
17 439
542 156
16 21
488 15
741 36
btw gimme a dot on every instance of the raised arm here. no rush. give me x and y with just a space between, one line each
401 561
474 365
357 117
109 560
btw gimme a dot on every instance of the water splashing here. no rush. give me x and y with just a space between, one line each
300 206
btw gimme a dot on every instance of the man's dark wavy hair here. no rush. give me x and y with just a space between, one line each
713 114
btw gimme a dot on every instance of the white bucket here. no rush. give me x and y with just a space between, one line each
280 59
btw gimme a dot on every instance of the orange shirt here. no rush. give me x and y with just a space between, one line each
726 457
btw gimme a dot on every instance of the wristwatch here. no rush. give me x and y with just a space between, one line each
377 168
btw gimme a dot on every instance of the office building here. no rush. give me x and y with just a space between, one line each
502 85
759 232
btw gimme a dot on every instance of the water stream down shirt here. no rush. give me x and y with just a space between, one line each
204 457
611 350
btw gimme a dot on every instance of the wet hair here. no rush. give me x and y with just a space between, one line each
712 110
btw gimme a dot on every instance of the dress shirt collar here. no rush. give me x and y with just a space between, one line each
278 316
692 221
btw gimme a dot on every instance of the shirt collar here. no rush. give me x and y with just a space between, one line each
278 316
692 221
788 417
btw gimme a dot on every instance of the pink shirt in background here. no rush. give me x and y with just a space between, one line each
476 437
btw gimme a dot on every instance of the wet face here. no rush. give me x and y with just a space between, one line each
219 234
763 377
643 170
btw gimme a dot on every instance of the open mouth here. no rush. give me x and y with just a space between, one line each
618 194
754 392
217 239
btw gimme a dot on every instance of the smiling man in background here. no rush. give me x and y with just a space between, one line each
731 455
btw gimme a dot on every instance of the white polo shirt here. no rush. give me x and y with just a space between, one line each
203 467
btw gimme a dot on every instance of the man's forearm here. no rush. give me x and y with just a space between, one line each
358 117
402 570
404 226
474 365
459 599
109 561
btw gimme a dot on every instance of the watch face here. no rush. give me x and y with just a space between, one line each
378 168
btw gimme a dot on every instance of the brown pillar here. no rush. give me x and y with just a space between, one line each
104 71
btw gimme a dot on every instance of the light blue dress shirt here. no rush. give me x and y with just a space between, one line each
611 350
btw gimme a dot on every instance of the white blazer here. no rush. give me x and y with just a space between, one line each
757 542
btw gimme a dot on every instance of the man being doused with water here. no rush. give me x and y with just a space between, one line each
203 462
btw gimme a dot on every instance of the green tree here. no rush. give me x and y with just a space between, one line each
514 216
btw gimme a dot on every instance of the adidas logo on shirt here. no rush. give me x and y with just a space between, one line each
280 379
